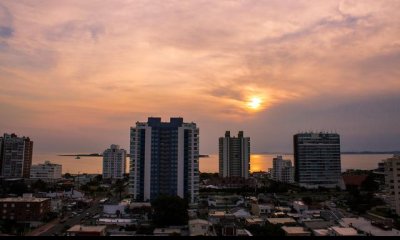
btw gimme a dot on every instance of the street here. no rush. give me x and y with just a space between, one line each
58 228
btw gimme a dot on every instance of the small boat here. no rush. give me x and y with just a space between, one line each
77 157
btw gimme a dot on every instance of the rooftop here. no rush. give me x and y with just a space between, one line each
294 230
82 228
199 221
281 220
345 231
21 199
321 232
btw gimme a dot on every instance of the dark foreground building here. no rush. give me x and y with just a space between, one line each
15 156
164 159
317 159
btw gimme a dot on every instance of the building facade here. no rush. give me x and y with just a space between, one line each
114 162
164 159
317 159
15 156
24 209
392 182
282 170
47 171
234 155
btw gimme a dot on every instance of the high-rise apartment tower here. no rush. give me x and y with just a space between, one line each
164 159
15 156
392 182
317 159
114 162
282 170
234 155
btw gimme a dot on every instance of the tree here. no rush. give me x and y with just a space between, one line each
370 184
307 200
17 188
119 188
67 176
40 185
98 178
170 210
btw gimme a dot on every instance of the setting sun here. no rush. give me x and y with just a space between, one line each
254 103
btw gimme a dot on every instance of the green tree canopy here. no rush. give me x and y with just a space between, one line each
170 210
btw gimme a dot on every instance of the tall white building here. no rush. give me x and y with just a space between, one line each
234 155
114 162
392 182
46 171
282 170
164 159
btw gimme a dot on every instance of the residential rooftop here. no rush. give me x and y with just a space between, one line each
344 231
295 230
22 199
282 221
83 228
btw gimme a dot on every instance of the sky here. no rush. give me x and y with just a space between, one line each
76 75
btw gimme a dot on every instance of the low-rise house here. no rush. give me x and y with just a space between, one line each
216 216
342 231
200 227
82 230
295 231
299 206
240 213
253 220
261 209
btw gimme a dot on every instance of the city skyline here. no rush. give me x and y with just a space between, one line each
76 75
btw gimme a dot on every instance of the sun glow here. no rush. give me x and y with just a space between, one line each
254 103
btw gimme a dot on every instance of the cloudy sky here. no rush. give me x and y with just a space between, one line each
75 75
